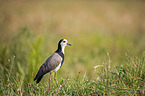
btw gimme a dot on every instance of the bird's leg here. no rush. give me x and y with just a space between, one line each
55 79
49 80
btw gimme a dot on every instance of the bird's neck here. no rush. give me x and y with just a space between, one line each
60 49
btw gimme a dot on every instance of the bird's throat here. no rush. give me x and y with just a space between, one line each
62 50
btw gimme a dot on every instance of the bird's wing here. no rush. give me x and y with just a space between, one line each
50 64
53 61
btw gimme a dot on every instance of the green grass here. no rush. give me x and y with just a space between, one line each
106 56
121 75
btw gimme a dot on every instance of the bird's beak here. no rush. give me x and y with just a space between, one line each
69 44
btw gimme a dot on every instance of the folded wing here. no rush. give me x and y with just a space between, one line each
49 65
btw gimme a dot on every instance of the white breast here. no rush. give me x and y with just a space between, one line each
56 69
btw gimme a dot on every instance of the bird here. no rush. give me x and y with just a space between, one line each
53 63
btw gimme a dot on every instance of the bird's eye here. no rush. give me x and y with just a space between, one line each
64 41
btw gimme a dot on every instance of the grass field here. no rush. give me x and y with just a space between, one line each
106 56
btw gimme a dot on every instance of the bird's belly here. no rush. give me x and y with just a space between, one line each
56 69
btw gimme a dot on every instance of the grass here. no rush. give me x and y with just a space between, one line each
107 56
122 79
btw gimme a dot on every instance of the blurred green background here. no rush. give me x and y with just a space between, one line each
30 31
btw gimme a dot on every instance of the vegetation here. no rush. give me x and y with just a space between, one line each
106 56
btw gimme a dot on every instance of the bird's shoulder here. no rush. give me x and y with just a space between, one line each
51 63
54 59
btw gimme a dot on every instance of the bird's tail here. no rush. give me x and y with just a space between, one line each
38 78
35 78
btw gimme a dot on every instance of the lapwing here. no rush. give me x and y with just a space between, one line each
53 63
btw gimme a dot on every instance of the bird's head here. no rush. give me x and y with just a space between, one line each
62 44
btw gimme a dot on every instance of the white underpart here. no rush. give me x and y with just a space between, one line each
57 68
63 45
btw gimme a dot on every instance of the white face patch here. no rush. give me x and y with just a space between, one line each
63 44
